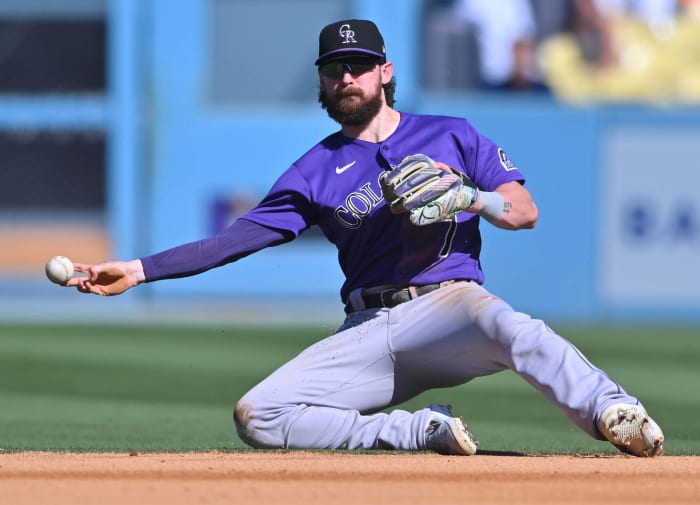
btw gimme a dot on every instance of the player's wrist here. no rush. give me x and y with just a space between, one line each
135 271
469 197
488 204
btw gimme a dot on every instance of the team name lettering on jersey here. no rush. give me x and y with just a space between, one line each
357 206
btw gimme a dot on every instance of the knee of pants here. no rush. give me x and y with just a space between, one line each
257 426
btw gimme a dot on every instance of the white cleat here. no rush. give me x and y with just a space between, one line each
448 435
630 429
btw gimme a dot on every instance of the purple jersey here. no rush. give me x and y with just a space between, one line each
335 186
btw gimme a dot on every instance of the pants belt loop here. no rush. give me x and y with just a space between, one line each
355 299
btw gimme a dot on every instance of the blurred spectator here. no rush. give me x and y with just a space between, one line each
505 33
592 31
580 50
490 44
654 55
657 14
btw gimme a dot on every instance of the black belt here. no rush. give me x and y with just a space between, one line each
391 297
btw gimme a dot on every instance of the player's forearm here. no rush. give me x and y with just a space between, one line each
240 239
509 207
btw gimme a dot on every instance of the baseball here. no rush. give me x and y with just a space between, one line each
59 269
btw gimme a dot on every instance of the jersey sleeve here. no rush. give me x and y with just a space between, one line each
287 206
240 239
280 217
487 163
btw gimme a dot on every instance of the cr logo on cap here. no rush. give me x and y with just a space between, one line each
348 34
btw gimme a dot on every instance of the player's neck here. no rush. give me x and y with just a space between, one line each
377 129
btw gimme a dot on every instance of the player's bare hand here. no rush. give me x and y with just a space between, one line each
443 167
107 279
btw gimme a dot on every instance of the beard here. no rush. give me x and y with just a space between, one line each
350 106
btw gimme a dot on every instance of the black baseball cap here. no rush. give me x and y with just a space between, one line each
351 37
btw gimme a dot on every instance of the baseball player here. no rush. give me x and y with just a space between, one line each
401 196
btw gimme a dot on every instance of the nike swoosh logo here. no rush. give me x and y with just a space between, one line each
340 170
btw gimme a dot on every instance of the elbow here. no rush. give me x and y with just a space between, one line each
532 217
529 218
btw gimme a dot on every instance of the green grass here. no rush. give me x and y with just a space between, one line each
121 388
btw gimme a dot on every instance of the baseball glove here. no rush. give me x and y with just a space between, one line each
428 193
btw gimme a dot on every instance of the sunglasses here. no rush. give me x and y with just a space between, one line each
336 69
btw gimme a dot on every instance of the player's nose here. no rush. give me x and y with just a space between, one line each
347 78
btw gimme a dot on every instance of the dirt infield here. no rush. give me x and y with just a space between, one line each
323 478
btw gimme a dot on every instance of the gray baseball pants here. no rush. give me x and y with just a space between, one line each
331 395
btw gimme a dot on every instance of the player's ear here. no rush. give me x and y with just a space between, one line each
387 70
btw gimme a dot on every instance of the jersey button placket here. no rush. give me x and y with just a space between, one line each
386 154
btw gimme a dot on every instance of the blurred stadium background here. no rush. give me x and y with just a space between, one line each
129 126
